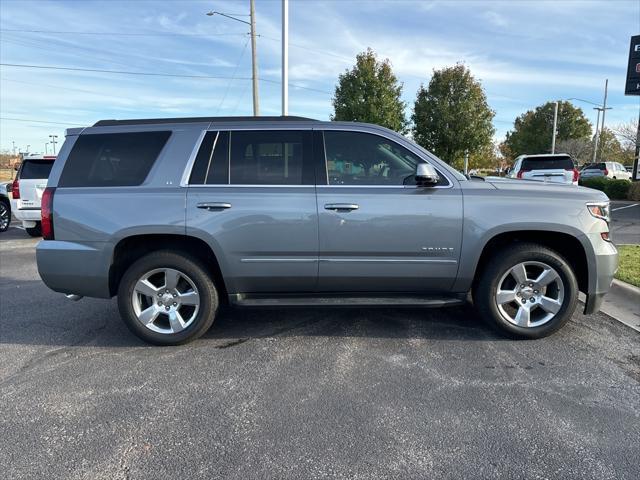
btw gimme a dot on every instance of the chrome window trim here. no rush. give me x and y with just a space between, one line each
184 182
226 185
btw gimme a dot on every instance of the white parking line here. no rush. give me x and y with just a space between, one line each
626 206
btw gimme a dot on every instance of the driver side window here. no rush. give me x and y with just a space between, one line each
357 158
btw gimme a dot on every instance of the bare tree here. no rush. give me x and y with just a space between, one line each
580 149
627 133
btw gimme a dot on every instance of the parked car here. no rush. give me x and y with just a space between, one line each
179 216
629 168
5 206
613 170
27 189
554 168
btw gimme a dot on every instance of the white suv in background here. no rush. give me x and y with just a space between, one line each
26 191
553 168
613 170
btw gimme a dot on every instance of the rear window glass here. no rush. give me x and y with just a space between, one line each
35 169
112 159
547 163
596 166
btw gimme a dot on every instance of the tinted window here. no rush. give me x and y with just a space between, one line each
355 158
595 166
547 163
271 158
34 169
212 163
112 159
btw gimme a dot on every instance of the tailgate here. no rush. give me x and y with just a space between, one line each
553 176
31 193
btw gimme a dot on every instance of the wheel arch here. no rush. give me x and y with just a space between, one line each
567 245
131 248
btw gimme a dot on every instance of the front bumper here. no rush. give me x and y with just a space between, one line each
602 268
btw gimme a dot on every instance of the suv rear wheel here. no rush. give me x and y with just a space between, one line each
167 298
5 214
527 291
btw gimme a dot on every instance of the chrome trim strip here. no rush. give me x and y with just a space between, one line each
275 260
386 260
213 149
184 181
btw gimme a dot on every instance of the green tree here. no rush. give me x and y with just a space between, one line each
611 150
451 116
532 131
370 92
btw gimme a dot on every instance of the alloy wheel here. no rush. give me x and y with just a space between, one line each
165 300
530 294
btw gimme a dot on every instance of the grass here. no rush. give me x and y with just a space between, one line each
6 174
629 267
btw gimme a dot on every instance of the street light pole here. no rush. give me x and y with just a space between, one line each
555 127
254 53
285 57
46 149
53 141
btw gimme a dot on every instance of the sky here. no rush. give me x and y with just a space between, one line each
523 52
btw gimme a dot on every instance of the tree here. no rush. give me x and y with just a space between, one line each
611 150
370 92
451 116
580 149
532 130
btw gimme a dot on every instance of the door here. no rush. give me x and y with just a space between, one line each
251 196
378 230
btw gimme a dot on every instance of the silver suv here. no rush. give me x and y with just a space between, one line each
179 216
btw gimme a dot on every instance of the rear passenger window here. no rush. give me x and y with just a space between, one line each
211 166
271 158
112 159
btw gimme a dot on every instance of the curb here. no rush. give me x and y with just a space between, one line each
622 303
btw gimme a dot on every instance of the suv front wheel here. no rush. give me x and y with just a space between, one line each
167 298
527 291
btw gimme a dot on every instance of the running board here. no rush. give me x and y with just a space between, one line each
431 301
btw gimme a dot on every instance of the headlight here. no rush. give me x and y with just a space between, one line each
600 210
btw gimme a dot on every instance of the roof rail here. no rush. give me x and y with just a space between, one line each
155 121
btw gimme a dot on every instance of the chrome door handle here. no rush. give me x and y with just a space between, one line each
341 206
214 205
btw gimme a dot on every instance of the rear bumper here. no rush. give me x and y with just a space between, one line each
27 215
70 267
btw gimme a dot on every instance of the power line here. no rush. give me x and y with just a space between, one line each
123 34
154 74
235 70
41 121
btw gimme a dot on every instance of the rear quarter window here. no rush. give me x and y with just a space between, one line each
112 159
547 163
35 169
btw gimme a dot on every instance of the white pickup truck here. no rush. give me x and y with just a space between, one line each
26 191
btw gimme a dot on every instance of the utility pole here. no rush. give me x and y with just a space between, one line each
555 127
604 111
53 141
466 162
46 149
254 53
285 57
596 136
254 60
13 147
27 149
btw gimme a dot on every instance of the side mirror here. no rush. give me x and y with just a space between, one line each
426 175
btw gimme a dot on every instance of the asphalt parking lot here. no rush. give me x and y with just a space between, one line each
625 224
335 393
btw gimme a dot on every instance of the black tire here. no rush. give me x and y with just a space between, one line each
34 231
486 287
185 264
5 214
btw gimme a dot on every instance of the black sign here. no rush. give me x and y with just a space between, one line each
633 70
